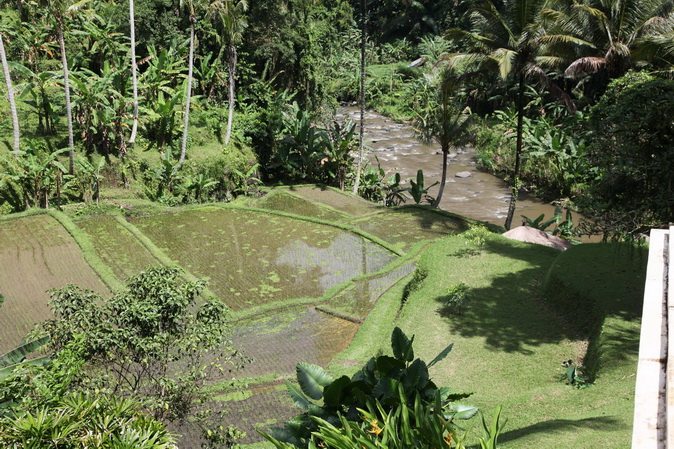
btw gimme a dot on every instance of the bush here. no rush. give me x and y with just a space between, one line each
633 148
455 297
387 386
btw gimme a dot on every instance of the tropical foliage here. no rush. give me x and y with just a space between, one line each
384 384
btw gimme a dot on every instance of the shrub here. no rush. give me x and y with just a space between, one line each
633 148
385 386
455 297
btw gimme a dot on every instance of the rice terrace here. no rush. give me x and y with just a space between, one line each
304 290
336 224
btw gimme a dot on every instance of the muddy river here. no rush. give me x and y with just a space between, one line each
480 196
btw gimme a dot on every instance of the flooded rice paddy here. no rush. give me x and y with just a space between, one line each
252 258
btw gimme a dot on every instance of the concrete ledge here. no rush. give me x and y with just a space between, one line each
652 395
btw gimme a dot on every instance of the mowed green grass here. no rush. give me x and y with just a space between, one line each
252 258
509 342
115 245
36 254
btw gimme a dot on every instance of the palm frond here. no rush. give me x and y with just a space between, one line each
584 66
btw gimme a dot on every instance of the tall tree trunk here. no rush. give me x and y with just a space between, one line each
232 79
186 121
10 97
134 73
361 99
514 188
69 106
443 181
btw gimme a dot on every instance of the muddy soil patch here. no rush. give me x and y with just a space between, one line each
285 202
277 343
352 205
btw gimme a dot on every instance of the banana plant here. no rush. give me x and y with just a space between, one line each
200 185
34 92
40 176
19 357
99 108
418 190
88 179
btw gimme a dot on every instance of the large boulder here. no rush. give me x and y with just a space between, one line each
533 235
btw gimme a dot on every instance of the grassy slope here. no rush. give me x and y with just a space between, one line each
508 345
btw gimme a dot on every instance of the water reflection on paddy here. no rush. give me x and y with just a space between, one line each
252 258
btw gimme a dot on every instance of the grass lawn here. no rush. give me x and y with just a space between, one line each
510 337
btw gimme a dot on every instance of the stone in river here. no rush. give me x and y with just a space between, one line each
464 174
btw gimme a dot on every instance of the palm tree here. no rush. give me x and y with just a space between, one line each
134 72
361 99
446 123
10 97
188 89
506 37
611 36
232 17
59 10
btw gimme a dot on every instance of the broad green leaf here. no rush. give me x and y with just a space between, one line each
401 345
461 411
333 393
299 399
312 379
444 353
417 376
19 354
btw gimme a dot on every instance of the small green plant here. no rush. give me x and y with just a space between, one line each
563 227
418 191
417 278
455 298
574 375
492 430
477 235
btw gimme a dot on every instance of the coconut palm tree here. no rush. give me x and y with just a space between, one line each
505 36
611 36
189 5
134 72
231 14
361 97
60 10
445 122
10 97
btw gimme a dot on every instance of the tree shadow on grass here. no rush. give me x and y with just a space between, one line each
553 426
509 313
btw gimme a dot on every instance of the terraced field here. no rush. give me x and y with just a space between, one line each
300 289
36 254
116 246
252 258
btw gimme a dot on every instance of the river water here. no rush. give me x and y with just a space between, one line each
480 196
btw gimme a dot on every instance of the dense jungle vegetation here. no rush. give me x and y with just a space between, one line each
178 102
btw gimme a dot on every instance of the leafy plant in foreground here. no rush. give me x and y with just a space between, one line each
418 191
389 381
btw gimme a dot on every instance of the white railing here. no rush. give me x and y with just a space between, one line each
654 397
